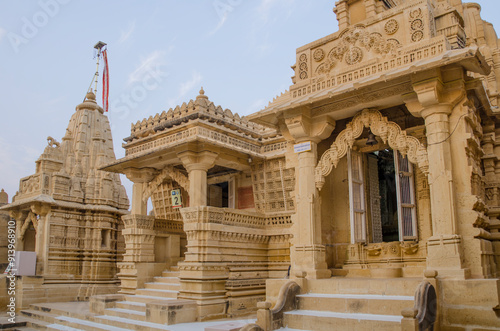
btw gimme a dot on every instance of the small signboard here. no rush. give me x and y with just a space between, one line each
302 147
176 198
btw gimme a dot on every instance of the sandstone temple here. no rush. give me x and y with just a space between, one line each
365 197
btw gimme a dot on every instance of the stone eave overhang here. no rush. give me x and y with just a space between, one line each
44 199
469 58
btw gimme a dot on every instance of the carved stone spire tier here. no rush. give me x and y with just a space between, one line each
69 212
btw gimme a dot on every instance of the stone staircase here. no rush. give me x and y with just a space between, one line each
164 287
353 304
127 314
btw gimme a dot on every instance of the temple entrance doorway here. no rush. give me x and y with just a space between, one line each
382 197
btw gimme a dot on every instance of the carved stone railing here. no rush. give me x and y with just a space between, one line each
168 226
279 147
234 217
192 134
135 221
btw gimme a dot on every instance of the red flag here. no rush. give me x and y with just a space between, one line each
105 81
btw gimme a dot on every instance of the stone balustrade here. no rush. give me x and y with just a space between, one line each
234 217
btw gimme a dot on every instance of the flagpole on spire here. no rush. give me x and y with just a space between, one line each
99 46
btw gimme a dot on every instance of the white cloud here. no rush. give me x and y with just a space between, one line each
268 7
185 88
190 84
222 9
3 32
153 60
125 35
222 20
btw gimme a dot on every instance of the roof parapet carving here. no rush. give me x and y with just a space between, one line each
390 132
200 108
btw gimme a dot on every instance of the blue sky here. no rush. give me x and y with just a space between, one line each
240 51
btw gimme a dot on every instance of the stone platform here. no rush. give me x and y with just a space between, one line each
77 316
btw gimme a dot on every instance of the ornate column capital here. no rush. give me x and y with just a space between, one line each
432 96
40 208
140 175
193 160
302 127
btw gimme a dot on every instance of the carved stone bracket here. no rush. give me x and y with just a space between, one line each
390 133
24 224
167 172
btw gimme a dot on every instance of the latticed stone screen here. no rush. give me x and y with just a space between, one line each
273 186
162 201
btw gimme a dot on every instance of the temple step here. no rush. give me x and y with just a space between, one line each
355 303
344 303
162 286
127 313
169 280
132 305
158 293
324 320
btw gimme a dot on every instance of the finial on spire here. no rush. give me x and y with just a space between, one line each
90 96
202 94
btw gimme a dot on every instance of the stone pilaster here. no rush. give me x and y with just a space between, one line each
342 14
308 254
435 104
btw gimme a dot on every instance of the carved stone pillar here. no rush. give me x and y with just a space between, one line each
140 178
138 207
203 275
139 251
197 165
42 236
20 218
444 247
139 235
308 254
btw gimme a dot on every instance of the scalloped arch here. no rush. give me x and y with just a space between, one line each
167 172
390 133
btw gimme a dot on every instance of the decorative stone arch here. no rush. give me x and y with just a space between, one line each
390 133
169 172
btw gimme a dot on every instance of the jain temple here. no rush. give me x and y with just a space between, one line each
365 197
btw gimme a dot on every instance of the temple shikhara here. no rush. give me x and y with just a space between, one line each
364 197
